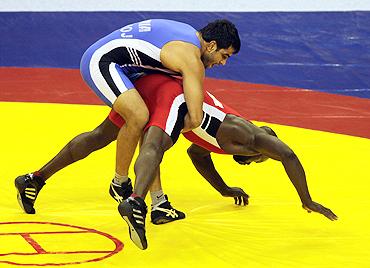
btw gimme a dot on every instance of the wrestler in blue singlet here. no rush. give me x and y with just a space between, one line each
111 64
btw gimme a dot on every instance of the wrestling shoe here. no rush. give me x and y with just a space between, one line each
28 187
133 211
120 192
164 213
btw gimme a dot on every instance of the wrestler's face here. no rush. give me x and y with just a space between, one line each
213 56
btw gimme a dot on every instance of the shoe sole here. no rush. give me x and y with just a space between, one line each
162 221
134 236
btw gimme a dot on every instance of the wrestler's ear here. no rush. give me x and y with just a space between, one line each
211 46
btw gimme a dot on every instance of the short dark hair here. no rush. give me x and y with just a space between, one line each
223 32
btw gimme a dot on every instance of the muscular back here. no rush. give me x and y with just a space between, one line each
236 135
137 47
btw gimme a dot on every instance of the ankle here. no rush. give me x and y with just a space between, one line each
38 174
120 179
158 198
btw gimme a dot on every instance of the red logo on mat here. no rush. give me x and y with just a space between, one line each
53 244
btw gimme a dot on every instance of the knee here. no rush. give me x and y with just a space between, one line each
133 110
142 117
152 150
138 119
150 157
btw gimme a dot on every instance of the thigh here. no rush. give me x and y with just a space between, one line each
131 107
107 130
168 118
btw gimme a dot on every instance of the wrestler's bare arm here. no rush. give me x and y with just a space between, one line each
185 58
274 148
202 161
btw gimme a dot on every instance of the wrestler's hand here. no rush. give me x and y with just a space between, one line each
239 195
188 125
316 207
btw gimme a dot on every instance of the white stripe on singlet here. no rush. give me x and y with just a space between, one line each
116 77
212 112
97 77
137 56
131 55
173 114
151 68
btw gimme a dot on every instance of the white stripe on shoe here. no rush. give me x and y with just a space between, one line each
138 216
169 212
116 196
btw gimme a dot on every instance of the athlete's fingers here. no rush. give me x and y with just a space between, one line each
245 201
329 214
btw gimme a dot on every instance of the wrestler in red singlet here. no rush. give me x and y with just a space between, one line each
167 109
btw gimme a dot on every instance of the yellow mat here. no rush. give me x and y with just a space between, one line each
77 223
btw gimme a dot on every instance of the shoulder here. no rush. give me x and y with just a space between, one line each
182 48
237 120
236 125
179 56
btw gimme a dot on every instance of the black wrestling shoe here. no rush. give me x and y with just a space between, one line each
120 192
133 211
164 213
28 187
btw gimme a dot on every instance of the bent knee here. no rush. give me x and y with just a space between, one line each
152 149
138 119
135 116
